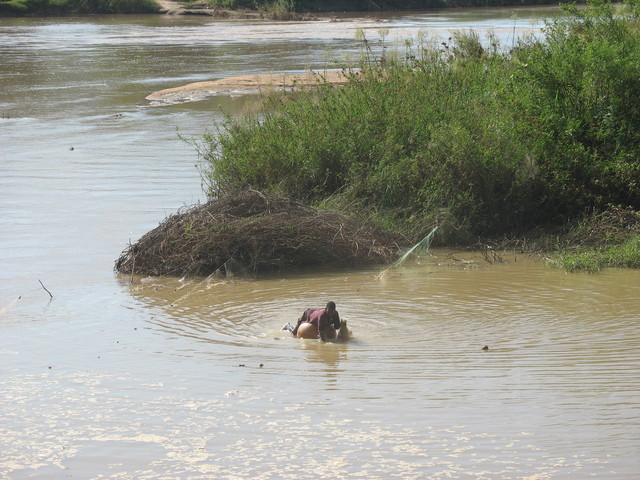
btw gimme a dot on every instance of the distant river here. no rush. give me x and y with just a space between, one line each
157 378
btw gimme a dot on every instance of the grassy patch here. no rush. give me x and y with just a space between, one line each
626 255
603 239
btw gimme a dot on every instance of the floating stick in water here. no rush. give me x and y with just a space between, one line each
46 289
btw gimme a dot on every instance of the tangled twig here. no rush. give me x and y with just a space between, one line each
262 233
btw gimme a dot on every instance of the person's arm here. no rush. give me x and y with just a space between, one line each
336 321
322 324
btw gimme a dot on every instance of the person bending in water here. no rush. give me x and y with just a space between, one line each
326 320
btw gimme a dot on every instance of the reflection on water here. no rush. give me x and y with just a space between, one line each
149 378
330 353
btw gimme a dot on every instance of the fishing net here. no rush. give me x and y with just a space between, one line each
251 232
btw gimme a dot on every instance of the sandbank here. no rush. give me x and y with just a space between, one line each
245 84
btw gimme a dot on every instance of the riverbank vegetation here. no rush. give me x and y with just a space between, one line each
281 9
63 7
459 133
273 9
604 239
306 6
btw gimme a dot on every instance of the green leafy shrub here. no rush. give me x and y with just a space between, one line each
61 7
487 142
580 92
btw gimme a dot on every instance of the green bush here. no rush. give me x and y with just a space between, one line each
16 6
61 7
486 141
580 93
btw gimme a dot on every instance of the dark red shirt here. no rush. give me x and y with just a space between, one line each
320 317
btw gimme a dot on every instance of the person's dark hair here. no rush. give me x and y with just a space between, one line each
331 306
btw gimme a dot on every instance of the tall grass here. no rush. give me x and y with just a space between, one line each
459 133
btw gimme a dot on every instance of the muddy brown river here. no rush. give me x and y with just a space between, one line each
164 378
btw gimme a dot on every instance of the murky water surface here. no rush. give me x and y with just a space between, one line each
147 378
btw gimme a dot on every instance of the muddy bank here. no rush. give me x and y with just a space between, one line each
253 233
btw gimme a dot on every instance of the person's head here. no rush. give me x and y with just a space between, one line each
331 307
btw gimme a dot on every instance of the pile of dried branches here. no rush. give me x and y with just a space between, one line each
254 233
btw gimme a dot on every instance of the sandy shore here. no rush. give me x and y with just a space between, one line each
170 7
244 84
173 7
